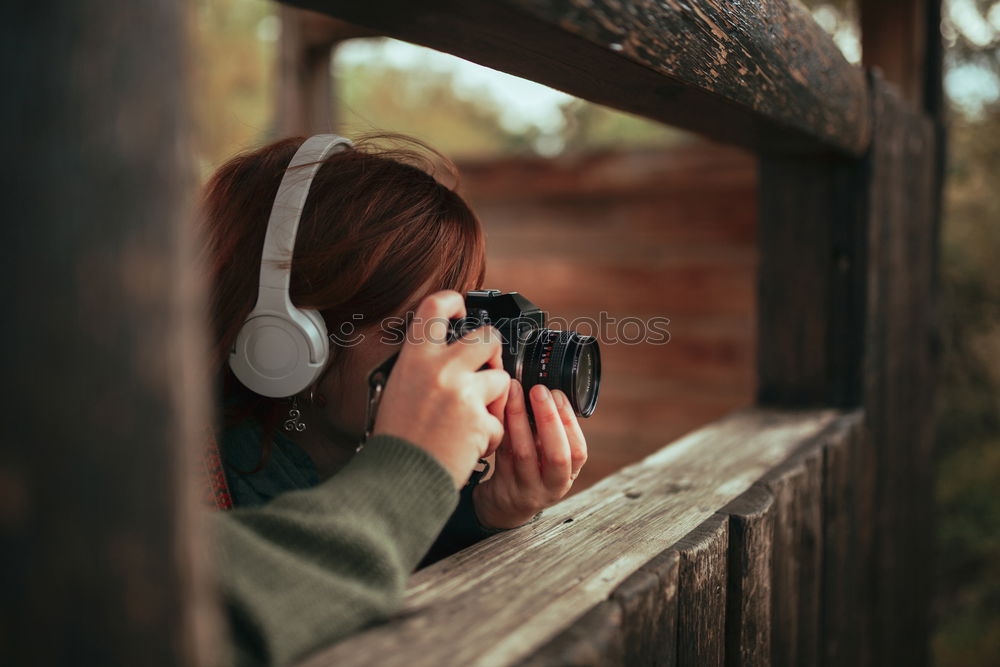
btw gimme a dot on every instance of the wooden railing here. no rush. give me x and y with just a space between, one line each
731 544
848 200
773 536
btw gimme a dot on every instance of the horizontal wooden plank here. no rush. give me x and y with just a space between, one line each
762 75
691 170
724 218
511 594
672 290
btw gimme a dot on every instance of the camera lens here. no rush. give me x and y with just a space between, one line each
563 360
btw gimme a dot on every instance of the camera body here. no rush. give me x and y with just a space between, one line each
532 353
512 315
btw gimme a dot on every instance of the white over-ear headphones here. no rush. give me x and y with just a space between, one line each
282 349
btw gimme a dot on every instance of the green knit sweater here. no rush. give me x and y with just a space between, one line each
314 565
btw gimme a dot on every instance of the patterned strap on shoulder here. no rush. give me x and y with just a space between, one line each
215 487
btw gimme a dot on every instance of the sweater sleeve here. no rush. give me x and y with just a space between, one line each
315 565
462 530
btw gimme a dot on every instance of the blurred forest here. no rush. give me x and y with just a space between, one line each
233 71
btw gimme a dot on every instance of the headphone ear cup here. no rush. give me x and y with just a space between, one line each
280 355
321 342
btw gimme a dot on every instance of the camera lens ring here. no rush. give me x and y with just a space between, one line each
560 360
585 363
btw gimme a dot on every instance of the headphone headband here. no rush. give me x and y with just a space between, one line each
283 225
281 349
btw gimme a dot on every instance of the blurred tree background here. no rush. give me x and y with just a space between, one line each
465 111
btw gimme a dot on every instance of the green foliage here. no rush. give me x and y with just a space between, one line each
968 417
232 72
422 104
592 127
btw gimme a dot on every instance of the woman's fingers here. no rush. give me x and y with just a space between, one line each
520 438
556 460
430 320
482 346
497 408
493 384
577 443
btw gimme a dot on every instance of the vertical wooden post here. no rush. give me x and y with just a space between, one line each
100 351
845 598
748 593
811 280
847 304
848 250
893 35
305 84
899 370
701 594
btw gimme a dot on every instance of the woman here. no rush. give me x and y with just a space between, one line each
324 534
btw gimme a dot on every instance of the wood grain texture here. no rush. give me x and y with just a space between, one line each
509 595
796 560
595 640
848 317
843 582
900 370
648 600
748 593
100 373
761 75
811 280
701 591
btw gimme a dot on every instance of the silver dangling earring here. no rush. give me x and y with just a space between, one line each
294 423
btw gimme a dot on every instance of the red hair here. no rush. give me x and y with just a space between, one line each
377 226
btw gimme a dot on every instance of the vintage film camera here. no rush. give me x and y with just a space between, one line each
532 353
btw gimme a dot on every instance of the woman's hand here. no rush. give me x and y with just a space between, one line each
436 396
532 471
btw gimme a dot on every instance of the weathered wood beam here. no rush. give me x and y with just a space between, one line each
848 521
759 75
701 594
102 362
748 594
901 370
811 280
649 602
797 487
847 317
578 553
